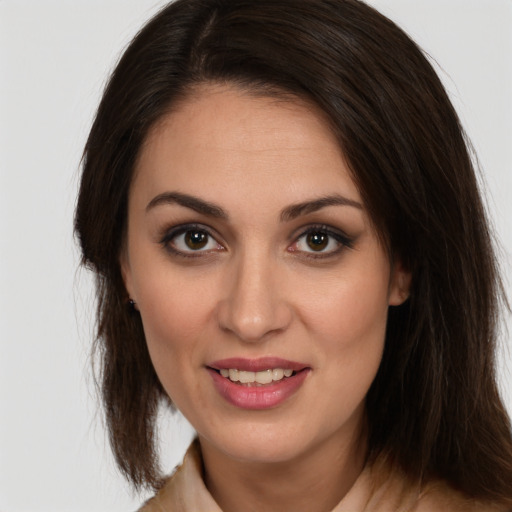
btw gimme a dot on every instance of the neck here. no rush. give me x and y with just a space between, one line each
314 481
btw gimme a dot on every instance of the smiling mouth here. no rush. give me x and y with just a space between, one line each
256 379
256 384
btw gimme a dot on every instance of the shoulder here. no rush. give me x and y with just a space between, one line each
184 490
441 497
384 488
167 494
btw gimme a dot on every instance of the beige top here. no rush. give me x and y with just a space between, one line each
376 490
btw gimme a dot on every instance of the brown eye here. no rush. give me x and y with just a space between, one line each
321 242
196 240
190 240
317 241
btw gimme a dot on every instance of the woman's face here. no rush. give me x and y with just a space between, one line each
250 254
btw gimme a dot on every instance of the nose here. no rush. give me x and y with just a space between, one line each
254 306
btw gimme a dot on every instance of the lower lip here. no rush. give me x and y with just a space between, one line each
258 397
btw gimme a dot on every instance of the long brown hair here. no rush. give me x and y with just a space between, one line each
433 408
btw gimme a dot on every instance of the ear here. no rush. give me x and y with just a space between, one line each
400 284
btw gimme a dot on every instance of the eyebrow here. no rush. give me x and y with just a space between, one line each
188 201
212 210
296 210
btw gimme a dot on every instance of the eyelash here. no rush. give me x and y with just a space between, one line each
341 238
344 241
166 241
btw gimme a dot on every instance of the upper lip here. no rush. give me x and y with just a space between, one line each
257 365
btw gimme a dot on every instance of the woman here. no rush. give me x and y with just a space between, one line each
279 204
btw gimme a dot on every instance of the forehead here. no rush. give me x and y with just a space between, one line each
221 137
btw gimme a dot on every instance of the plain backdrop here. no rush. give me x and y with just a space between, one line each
54 58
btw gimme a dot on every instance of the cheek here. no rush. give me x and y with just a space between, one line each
170 331
171 322
176 311
348 322
348 310
352 338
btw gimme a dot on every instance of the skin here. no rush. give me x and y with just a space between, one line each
258 289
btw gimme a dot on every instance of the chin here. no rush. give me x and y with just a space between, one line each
260 443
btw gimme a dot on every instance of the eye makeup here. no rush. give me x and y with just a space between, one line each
316 241
320 241
190 241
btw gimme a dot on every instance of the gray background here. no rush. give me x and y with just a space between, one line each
54 58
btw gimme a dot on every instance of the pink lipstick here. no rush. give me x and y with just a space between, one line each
261 383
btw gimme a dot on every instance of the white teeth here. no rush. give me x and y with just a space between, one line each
246 377
263 377
277 374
